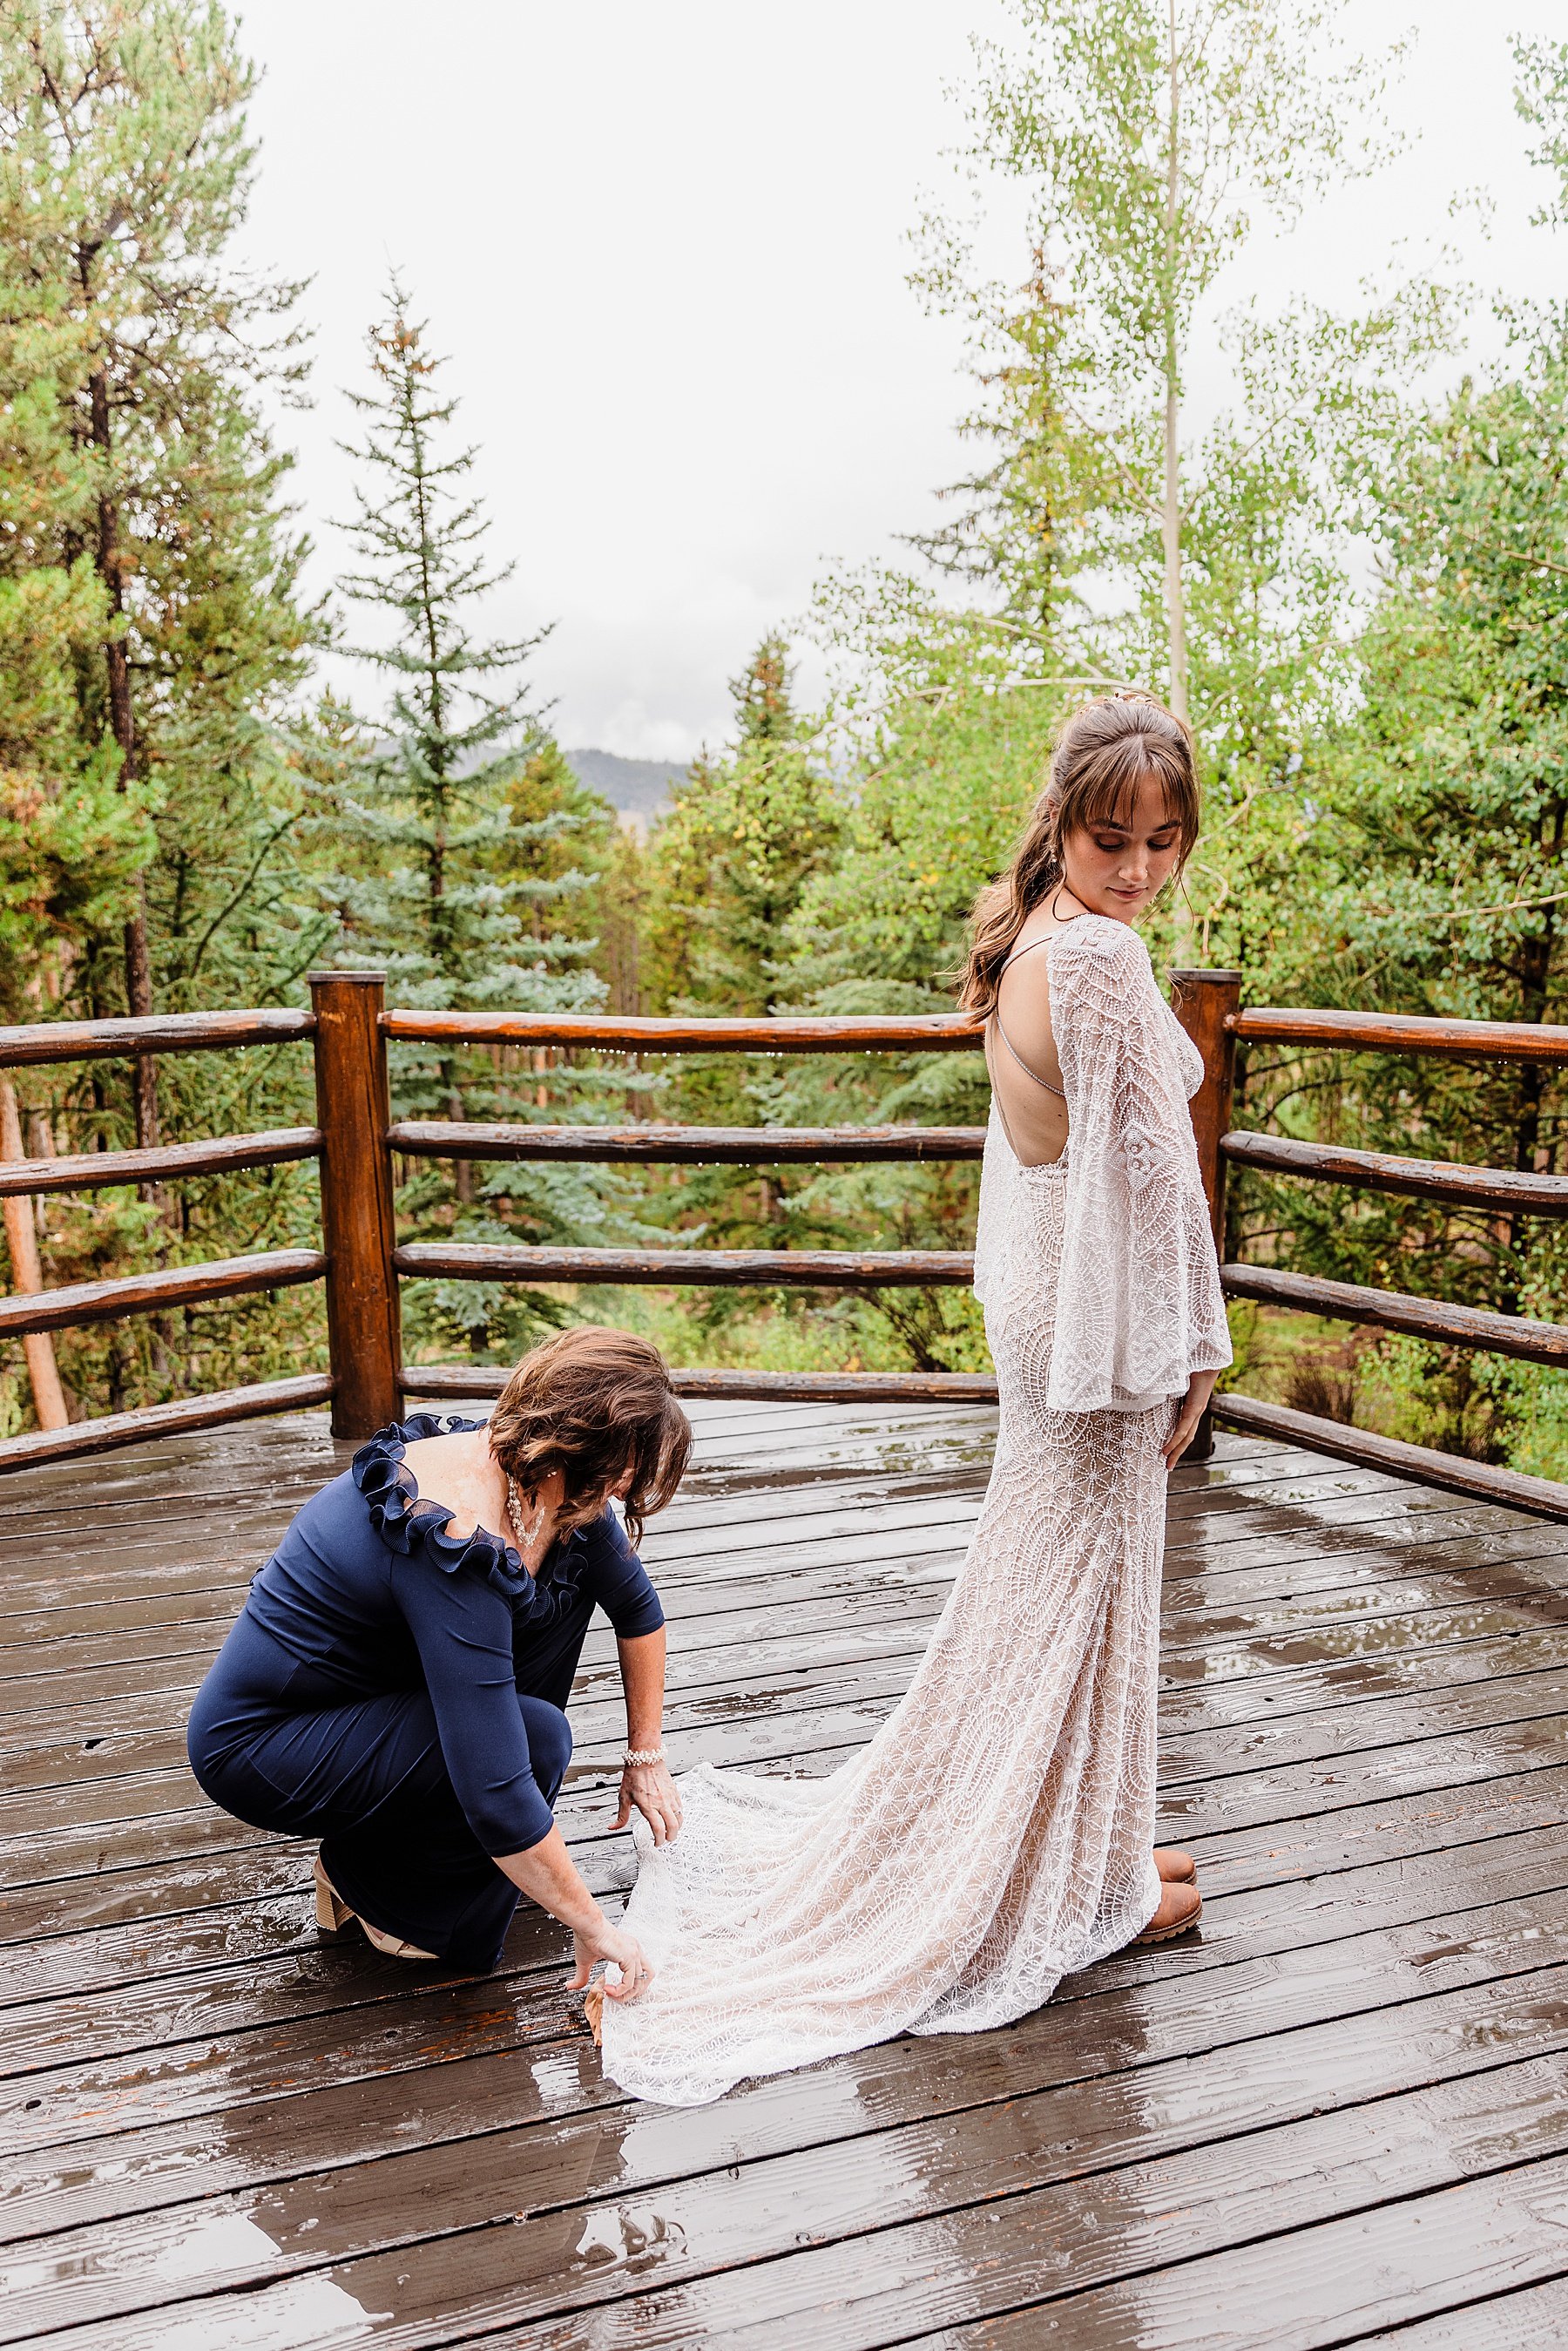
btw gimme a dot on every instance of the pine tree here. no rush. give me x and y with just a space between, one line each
725 871
466 843
132 451
443 901
731 860
150 643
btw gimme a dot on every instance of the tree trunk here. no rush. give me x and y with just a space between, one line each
1536 975
1171 519
1184 926
26 1275
121 717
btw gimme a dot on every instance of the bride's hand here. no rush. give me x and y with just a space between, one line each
1200 1388
649 1787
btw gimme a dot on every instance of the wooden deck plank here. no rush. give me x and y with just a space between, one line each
1533 2318
870 2278
1361 1734
878 1657
1270 1977
970 2124
846 1711
227 1878
140 2168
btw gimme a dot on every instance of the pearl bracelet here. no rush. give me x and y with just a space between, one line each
641 1755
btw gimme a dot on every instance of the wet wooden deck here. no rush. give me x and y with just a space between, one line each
1341 2115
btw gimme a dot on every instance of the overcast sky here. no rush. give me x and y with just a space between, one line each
664 246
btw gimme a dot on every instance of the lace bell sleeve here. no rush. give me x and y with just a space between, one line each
1138 1303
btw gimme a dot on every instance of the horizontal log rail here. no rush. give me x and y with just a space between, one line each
698 1269
1398 1032
355 1138
1422 1318
936 1032
158 1032
156 1293
1477 1479
94 1171
1423 1179
177 1419
456 1380
735 1146
1482 1482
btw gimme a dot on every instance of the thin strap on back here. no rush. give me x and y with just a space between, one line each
1023 1064
996 1017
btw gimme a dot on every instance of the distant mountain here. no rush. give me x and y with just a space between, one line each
637 787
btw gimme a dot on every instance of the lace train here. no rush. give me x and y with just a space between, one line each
997 1831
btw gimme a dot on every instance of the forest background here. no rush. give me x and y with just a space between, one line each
1352 577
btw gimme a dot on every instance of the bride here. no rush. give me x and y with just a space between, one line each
997 1833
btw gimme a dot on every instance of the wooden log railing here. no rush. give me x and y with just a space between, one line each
935 1032
1419 1318
1507 1190
99 1171
688 1146
1421 1179
165 1288
714 1268
362 1263
158 1292
157 1032
1398 1032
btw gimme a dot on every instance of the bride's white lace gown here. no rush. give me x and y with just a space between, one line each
997 1831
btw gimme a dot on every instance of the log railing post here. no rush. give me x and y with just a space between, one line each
1203 1002
353 1110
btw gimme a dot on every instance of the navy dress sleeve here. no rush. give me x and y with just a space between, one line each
616 1580
462 1630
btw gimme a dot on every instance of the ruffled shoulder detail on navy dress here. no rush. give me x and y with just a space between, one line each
407 1523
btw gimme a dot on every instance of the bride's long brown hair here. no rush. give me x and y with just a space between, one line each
1101 754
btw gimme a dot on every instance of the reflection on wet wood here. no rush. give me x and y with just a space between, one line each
1340 2111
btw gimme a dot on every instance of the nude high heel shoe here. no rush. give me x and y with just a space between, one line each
333 1916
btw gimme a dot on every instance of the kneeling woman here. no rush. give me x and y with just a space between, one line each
396 1683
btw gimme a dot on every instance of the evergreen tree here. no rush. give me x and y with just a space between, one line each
731 860
726 870
132 451
74 843
466 843
1434 879
444 897
151 639
1435 883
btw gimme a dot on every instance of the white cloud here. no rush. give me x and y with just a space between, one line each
665 249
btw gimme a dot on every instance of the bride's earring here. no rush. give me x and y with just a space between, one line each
525 1530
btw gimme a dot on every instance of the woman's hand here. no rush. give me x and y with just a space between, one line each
621 1950
649 1787
1200 1388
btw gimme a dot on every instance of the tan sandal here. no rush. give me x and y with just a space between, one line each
1156 1933
334 1917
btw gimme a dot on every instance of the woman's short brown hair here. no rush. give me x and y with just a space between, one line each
1103 751
598 1406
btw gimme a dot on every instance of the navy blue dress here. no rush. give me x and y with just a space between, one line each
401 1693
